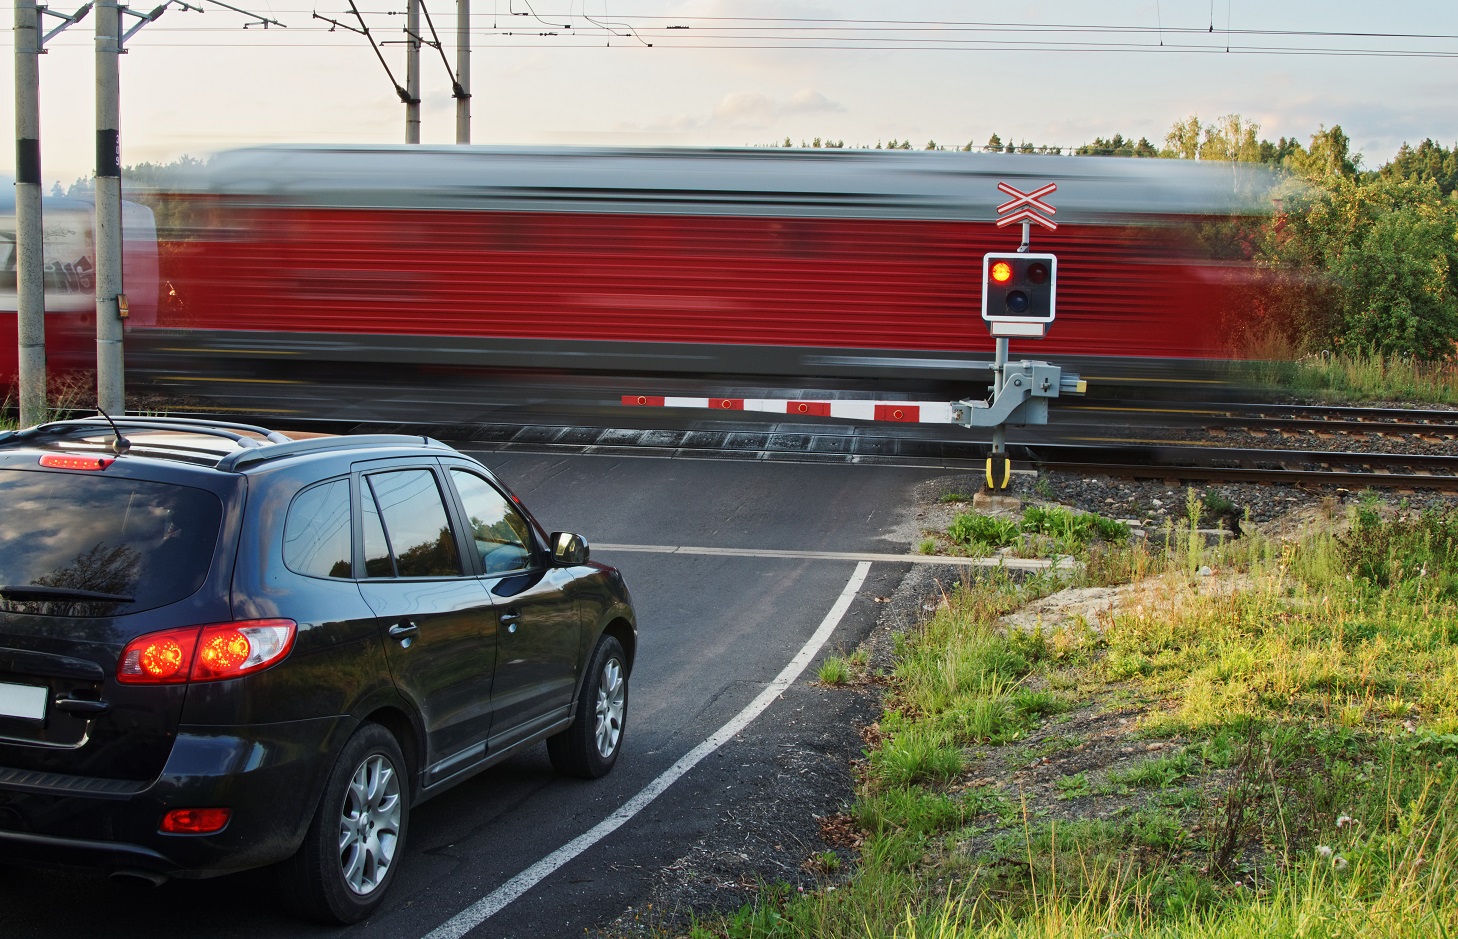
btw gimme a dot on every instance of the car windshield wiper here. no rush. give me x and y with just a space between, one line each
37 592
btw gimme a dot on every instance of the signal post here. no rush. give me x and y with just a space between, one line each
1019 299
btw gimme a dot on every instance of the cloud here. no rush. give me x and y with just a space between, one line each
810 101
742 107
752 110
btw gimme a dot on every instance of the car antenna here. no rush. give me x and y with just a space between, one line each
119 444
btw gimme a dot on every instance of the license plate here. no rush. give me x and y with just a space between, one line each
24 701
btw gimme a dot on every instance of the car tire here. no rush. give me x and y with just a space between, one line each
589 748
355 843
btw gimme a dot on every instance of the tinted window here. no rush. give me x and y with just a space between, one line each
316 532
420 537
149 541
501 533
378 562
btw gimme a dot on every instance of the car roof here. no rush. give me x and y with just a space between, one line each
223 445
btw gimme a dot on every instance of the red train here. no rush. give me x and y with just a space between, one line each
607 271
69 265
785 261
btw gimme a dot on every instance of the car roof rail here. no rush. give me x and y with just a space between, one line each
225 429
240 458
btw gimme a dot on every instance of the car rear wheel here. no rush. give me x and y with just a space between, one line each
590 747
356 840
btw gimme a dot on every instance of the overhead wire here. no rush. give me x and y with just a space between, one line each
879 35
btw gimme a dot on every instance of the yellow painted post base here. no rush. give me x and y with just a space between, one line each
999 471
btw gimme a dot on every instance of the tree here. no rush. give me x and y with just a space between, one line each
1328 156
1118 145
1428 160
1233 139
1364 264
1183 140
994 144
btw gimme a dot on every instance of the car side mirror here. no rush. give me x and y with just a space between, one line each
568 549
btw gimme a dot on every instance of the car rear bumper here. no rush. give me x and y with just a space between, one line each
270 777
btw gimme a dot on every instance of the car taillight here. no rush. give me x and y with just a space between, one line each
205 653
195 821
63 461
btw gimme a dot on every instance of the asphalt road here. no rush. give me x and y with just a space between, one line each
714 632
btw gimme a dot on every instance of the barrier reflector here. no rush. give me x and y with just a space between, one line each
908 413
898 412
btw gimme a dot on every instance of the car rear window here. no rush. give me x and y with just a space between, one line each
149 541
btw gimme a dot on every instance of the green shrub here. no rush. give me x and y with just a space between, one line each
1411 555
983 531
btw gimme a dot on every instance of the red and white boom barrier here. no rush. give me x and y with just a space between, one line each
901 412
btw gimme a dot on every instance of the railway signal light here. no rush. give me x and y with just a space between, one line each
1019 289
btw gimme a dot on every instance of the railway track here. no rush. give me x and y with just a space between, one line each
1183 460
1323 421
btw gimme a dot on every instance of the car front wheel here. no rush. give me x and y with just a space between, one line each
356 840
590 747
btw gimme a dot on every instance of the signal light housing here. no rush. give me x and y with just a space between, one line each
205 653
1019 289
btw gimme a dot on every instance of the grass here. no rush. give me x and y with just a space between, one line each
834 671
1039 532
1277 760
67 396
1361 378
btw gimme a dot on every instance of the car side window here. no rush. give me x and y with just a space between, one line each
501 533
316 532
409 534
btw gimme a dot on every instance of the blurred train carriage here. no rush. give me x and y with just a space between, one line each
69 265
610 267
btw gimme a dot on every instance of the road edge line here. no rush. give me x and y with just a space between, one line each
491 904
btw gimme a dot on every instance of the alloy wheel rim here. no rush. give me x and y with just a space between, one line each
369 826
612 701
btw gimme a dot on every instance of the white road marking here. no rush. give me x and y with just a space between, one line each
478 912
1019 564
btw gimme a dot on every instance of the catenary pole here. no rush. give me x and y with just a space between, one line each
412 71
463 71
30 286
110 384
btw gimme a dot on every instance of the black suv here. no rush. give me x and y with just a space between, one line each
222 648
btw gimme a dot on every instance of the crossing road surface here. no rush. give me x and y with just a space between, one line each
519 851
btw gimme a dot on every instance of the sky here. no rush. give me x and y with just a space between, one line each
753 72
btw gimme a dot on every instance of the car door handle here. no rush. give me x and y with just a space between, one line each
404 631
510 619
